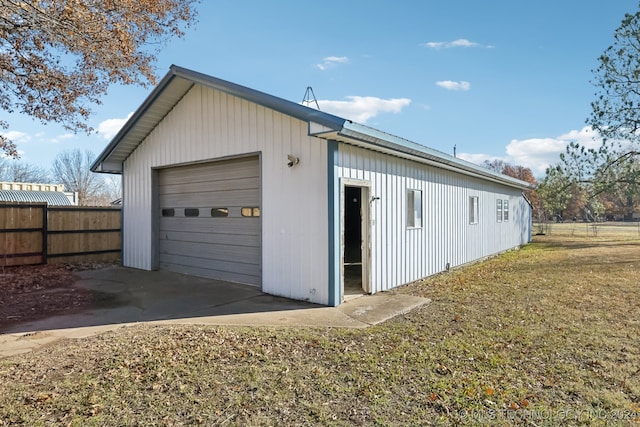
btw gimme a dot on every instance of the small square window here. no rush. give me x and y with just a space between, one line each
414 208
499 210
473 210
219 212
505 207
191 212
250 212
168 212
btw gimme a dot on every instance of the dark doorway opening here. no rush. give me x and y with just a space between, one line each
352 261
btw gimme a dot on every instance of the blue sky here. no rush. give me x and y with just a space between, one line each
499 79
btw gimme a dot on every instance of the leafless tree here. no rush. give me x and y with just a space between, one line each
495 165
12 170
111 192
72 168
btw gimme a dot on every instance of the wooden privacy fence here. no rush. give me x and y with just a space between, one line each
35 233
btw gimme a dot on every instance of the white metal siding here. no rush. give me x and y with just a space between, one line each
399 254
208 124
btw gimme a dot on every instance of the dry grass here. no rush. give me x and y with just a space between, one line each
546 335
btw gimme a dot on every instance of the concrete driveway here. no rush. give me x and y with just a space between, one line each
127 296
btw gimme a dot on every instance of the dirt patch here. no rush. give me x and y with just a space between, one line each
34 292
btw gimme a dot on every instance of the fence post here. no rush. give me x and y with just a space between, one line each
45 231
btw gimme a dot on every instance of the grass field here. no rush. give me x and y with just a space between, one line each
545 335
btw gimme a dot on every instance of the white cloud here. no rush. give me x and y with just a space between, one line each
332 61
451 85
539 153
110 127
455 43
57 139
39 137
17 136
477 158
363 108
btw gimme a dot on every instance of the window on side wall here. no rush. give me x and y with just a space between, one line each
414 208
505 207
499 210
473 210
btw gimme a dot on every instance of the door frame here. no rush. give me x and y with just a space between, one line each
365 206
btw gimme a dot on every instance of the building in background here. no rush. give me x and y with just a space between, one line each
53 194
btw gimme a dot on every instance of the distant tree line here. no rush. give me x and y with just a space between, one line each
559 198
71 168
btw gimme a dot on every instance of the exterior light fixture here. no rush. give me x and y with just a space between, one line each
293 160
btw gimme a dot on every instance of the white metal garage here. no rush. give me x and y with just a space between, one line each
210 220
418 211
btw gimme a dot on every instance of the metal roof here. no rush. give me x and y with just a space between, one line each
178 81
54 198
394 145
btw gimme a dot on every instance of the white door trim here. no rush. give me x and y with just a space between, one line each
365 187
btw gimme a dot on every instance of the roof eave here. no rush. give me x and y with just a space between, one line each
284 106
102 160
105 162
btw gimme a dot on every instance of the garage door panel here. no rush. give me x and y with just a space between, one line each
212 198
243 254
250 226
219 247
214 274
226 266
250 240
199 187
249 274
229 170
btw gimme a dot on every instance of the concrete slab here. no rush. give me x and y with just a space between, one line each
127 296
377 308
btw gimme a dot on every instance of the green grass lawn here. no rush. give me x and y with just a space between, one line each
546 335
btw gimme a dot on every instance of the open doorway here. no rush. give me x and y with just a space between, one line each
355 241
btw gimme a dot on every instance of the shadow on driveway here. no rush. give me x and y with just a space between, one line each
125 295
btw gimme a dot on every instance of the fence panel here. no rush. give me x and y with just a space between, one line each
81 234
36 233
22 233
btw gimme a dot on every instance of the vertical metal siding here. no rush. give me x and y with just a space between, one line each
400 255
208 124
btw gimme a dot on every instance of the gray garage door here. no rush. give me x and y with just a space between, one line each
210 220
